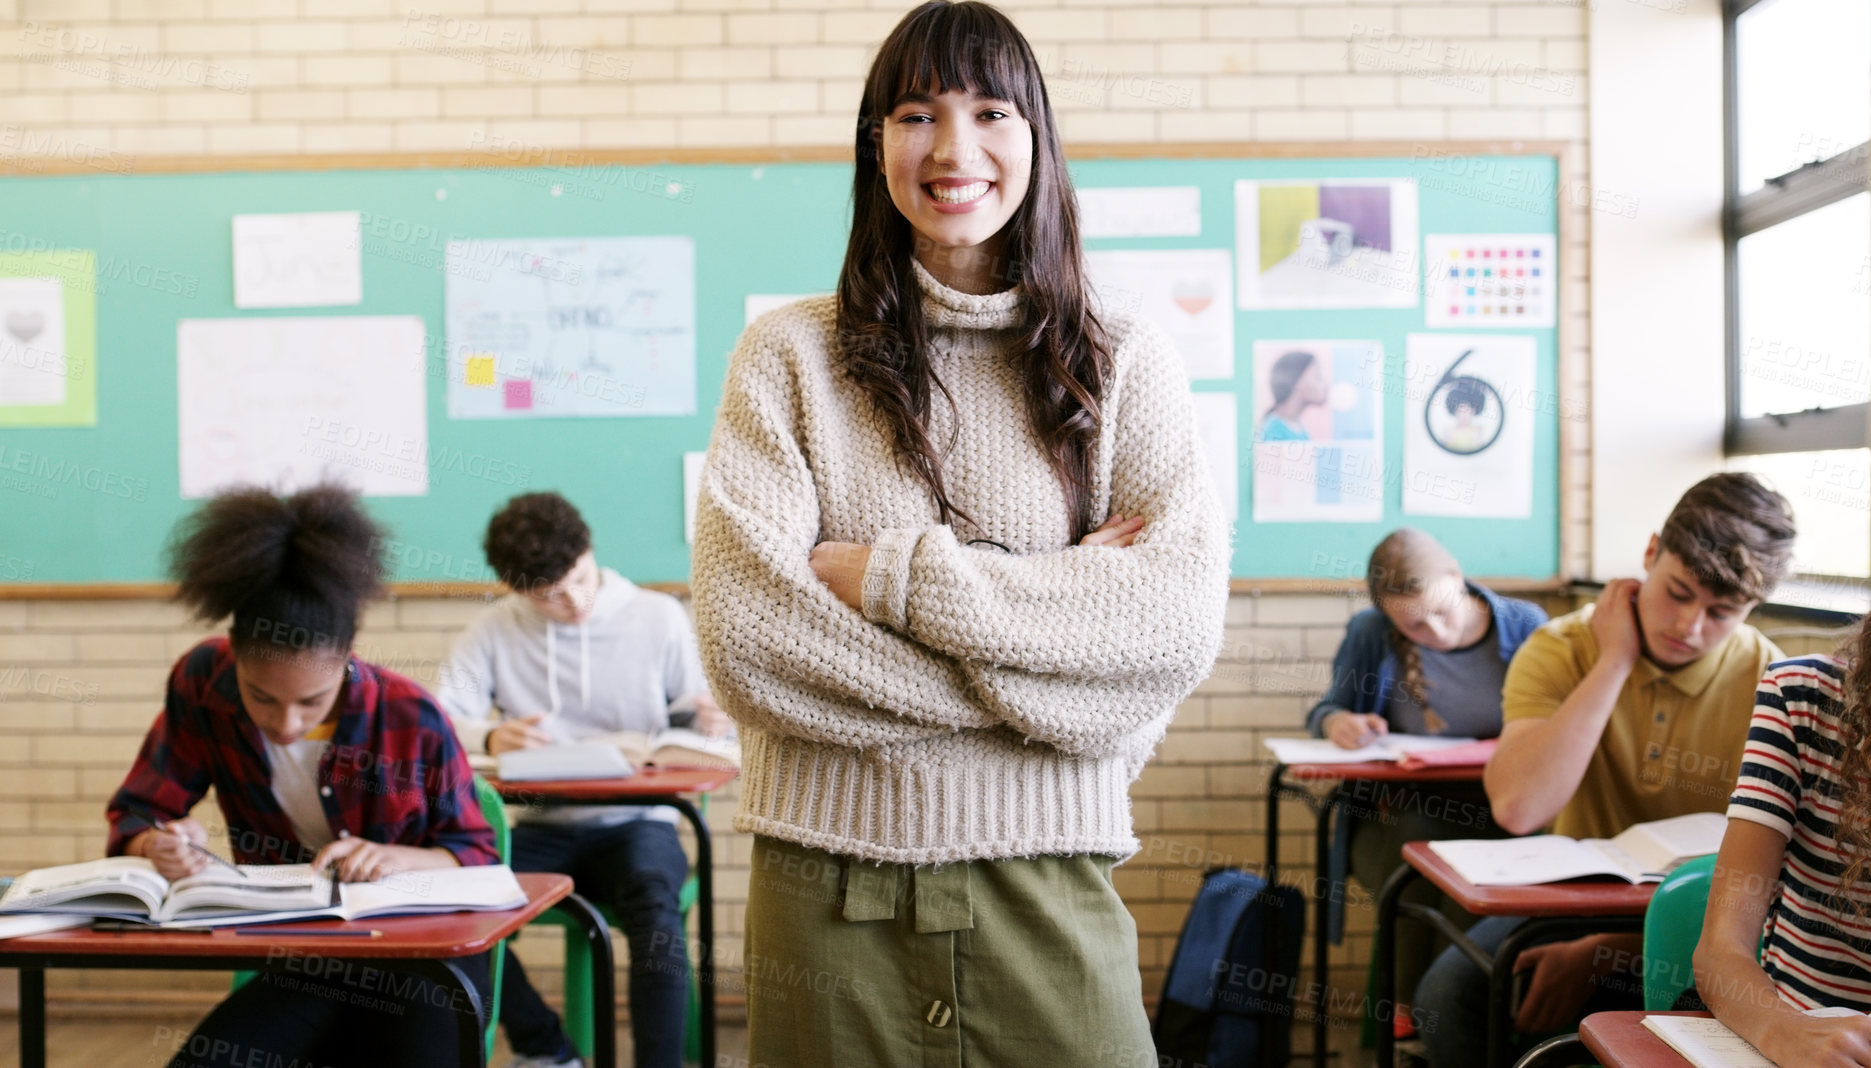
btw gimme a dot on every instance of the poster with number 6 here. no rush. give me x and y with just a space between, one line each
1468 425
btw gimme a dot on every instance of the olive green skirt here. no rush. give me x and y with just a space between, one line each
1019 963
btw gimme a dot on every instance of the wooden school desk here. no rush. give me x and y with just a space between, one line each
426 946
1620 1040
1556 911
653 786
1290 780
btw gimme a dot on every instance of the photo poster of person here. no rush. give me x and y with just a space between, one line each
1468 417
1317 425
1330 243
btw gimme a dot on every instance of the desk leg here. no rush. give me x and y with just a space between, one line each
603 977
1388 901
32 1018
704 924
470 1025
1276 786
1321 917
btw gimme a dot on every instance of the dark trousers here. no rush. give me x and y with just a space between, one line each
334 1015
637 870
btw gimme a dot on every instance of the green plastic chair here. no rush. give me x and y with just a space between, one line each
578 1008
494 810
1672 926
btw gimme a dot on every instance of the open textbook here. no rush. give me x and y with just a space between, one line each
128 888
1708 1043
1644 853
617 755
1386 747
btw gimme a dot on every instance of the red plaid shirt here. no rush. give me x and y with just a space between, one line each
394 772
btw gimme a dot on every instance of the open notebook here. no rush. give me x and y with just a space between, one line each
616 755
128 888
1708 1043
1397 747
1644 853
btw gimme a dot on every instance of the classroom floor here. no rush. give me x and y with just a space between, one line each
86 1042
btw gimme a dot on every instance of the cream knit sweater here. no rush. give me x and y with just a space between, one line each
984 704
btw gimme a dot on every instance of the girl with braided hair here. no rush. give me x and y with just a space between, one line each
1428 657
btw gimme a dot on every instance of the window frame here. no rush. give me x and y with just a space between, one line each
1789 196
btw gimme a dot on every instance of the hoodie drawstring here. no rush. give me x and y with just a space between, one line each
584 666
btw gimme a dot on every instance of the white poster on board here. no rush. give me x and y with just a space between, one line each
1318 431
306 260
1140 211
1468 425
1499 280
593 327
1329 243
33 367
1215 422
1184 291
286 402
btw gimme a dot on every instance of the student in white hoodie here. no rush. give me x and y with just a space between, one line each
573 651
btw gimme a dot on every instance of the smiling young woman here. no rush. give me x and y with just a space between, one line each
957 561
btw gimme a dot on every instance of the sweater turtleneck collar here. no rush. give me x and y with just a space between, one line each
946 307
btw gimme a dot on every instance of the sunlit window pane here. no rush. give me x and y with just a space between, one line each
1831 497
1803 80
1806 311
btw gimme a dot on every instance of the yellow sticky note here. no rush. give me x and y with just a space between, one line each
481 370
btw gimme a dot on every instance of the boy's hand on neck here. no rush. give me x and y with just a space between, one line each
1614 625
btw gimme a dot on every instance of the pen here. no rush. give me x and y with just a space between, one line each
305 932
162 825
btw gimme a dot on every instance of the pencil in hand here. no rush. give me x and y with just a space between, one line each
162 825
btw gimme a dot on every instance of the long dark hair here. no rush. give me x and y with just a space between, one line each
294 572
1283 377
882 338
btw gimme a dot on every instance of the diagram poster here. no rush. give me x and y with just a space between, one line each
1332 243
1468 425
1318 431
557 327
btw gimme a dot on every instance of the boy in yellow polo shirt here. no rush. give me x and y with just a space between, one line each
1632 709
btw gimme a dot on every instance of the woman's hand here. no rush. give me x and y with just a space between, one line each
1349 730
840 566
170 848
1117 532
1798 1041
361 861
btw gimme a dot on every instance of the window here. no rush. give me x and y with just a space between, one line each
1797 223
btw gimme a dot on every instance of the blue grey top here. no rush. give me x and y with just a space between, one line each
1463 688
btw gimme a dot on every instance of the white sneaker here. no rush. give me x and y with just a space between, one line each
545 1061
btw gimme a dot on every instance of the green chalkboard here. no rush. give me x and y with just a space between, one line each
94 504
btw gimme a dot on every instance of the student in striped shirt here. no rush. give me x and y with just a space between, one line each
1793 868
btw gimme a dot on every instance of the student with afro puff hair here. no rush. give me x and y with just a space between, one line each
314 756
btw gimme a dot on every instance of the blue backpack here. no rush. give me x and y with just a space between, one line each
1228 998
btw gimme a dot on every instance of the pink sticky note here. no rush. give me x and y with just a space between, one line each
519 394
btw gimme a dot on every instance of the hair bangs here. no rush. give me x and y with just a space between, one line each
961 48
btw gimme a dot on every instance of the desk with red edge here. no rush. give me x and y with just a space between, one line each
1289 780
654 786
427 946
1620 1040
1554 910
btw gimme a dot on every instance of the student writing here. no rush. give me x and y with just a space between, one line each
313 754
